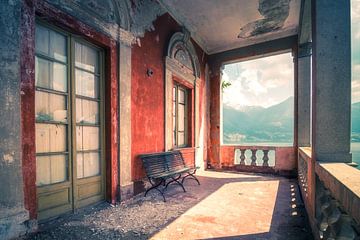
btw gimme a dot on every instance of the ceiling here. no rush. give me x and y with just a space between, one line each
220 25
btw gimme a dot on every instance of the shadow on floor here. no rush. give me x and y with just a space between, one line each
224 206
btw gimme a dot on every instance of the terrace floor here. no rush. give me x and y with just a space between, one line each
224 206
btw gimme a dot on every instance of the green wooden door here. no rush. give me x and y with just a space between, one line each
69 122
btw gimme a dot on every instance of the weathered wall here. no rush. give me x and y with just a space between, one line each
148 96
147 100
13 216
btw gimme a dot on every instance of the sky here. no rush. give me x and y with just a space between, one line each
268 81
261 82
355 49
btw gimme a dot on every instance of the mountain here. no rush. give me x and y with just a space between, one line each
258 124
272 125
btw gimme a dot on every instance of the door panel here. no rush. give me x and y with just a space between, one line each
68 110
88 184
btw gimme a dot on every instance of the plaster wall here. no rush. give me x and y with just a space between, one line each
14 219
126 186
148 95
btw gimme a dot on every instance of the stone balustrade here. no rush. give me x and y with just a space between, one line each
331 195
259 159
259 155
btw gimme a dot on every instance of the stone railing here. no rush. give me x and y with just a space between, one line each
304 166
331 195
260 159
337 203
259 156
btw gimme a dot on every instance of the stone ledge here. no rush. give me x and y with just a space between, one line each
305 152
15 222
126 191
344 183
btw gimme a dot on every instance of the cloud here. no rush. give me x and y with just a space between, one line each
260 82
355 87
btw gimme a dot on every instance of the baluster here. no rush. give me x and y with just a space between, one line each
242 156
265 158
253 157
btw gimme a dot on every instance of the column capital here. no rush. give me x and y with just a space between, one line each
305 49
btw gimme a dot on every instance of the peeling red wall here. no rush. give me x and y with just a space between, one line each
148 93
214 146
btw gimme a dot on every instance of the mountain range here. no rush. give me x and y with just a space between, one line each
269 125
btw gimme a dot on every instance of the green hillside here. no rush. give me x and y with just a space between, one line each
269 125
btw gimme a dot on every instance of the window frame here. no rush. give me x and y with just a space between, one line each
178 87
71 96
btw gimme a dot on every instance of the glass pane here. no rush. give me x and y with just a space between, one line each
86 84
174 94
174 138
80 165
50 138
181 96
59 77
181 117
50 107
43 170
58 168
87 111
174 109
42 40
42 73
87 138
91 164
174 123
181 140
51 169
50 75
86 57
58 46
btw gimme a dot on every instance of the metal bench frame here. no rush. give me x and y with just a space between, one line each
165 168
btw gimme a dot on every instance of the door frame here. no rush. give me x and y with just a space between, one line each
47 13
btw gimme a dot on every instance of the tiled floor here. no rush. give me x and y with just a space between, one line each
224 206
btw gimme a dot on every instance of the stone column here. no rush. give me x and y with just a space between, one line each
13 216
331 80
304 94
126 184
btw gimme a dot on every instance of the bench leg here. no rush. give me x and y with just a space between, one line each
191 176
155 186
177 181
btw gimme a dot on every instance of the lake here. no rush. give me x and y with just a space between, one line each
355 149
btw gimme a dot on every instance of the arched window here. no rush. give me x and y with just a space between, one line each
182 73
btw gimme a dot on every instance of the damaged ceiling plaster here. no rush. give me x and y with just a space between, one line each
275 12
219 25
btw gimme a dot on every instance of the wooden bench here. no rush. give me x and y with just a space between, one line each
165 168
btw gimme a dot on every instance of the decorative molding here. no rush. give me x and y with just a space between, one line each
126 37
185 22
143 14
183 38
179 70
305 50
112 17
123 13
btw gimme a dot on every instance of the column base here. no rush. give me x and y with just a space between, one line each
15 222
126 191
